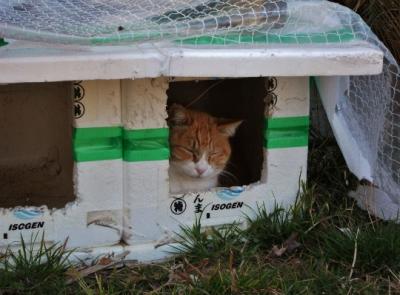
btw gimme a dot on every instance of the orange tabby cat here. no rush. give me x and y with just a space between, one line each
200 149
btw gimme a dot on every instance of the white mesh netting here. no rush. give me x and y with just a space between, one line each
191 21
371 108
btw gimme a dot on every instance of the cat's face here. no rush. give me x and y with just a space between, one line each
199 143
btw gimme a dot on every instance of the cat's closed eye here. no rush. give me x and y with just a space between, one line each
185 149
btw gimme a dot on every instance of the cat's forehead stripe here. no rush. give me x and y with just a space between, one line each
203 133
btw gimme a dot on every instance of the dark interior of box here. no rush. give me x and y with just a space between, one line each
36 163
231 99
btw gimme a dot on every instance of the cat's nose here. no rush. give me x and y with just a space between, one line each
201 170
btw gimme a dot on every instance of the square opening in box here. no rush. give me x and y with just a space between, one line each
229 102
36 163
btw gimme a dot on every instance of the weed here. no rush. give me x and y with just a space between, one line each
274 228
372 249
36 268
197 243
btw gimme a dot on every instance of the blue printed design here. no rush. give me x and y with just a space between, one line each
27 213
229 194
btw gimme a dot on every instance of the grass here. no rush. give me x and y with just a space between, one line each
34 270
323 245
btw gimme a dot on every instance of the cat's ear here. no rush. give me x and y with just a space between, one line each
229 128
177 115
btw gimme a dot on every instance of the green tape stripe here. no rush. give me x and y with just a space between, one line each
336 36
146 145
2 42
345 34
96 144
110 143
287 132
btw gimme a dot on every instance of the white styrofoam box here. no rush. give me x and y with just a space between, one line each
132 196
95 217
98 180
152 215
35 62
144 104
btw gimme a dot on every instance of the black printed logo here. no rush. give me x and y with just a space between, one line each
271 98
79 110
272 84
79 94
178 206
